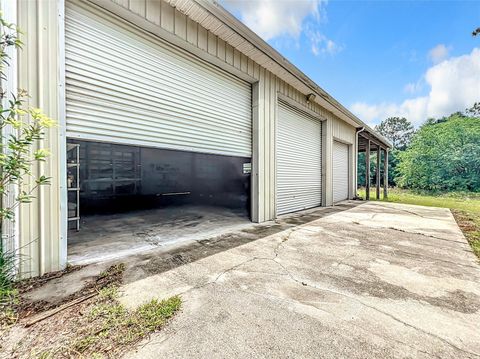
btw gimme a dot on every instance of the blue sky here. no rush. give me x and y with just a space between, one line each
379 58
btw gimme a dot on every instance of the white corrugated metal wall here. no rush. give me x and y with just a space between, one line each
41 71
43 244
299 160
132 89
341 177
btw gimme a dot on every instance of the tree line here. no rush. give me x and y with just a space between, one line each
442 155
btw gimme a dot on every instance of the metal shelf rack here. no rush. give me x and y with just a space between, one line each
73 183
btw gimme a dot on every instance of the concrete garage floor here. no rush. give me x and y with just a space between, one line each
108 237
375 280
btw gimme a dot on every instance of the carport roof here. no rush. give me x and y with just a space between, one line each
212 16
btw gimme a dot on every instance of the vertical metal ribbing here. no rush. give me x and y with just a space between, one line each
126 87
340 171
299 160
10 229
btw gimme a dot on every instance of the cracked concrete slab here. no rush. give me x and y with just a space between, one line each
375 280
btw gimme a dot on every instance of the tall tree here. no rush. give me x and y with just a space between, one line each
474 111
398 130
443 156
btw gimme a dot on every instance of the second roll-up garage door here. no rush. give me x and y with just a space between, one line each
299 160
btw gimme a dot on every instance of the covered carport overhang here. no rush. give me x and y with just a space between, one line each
368 142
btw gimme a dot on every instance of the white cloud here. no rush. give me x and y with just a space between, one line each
438 53
273 18
454 85
320 44
413 87
286 19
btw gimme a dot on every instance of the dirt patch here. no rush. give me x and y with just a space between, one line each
32 283
98 327
25 308
18 307
22 310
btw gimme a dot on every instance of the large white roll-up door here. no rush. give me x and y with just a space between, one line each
128 87
340 171
299 160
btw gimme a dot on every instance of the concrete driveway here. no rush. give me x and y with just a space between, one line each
374 280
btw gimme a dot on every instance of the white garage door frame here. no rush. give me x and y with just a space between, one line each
287 103
192 105
339 192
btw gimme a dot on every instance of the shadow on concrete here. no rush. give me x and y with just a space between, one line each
59 288
159 261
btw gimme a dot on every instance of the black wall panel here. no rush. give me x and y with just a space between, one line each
117 178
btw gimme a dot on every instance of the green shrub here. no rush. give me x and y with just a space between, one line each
8 293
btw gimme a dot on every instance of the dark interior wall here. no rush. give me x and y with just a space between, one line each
115 178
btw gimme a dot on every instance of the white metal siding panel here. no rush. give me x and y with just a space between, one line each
43 223
298 160
343 131
340 171
125 89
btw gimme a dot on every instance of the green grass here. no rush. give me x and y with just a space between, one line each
464 206
456 200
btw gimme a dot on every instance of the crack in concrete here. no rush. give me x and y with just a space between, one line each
406 211
419 233
365 244
342 261
233 268
384 313
267 273
420 329
427 235
303 283
311 305
419 256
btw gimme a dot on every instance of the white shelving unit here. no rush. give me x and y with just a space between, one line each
73 183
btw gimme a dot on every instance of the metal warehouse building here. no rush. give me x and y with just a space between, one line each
169 109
